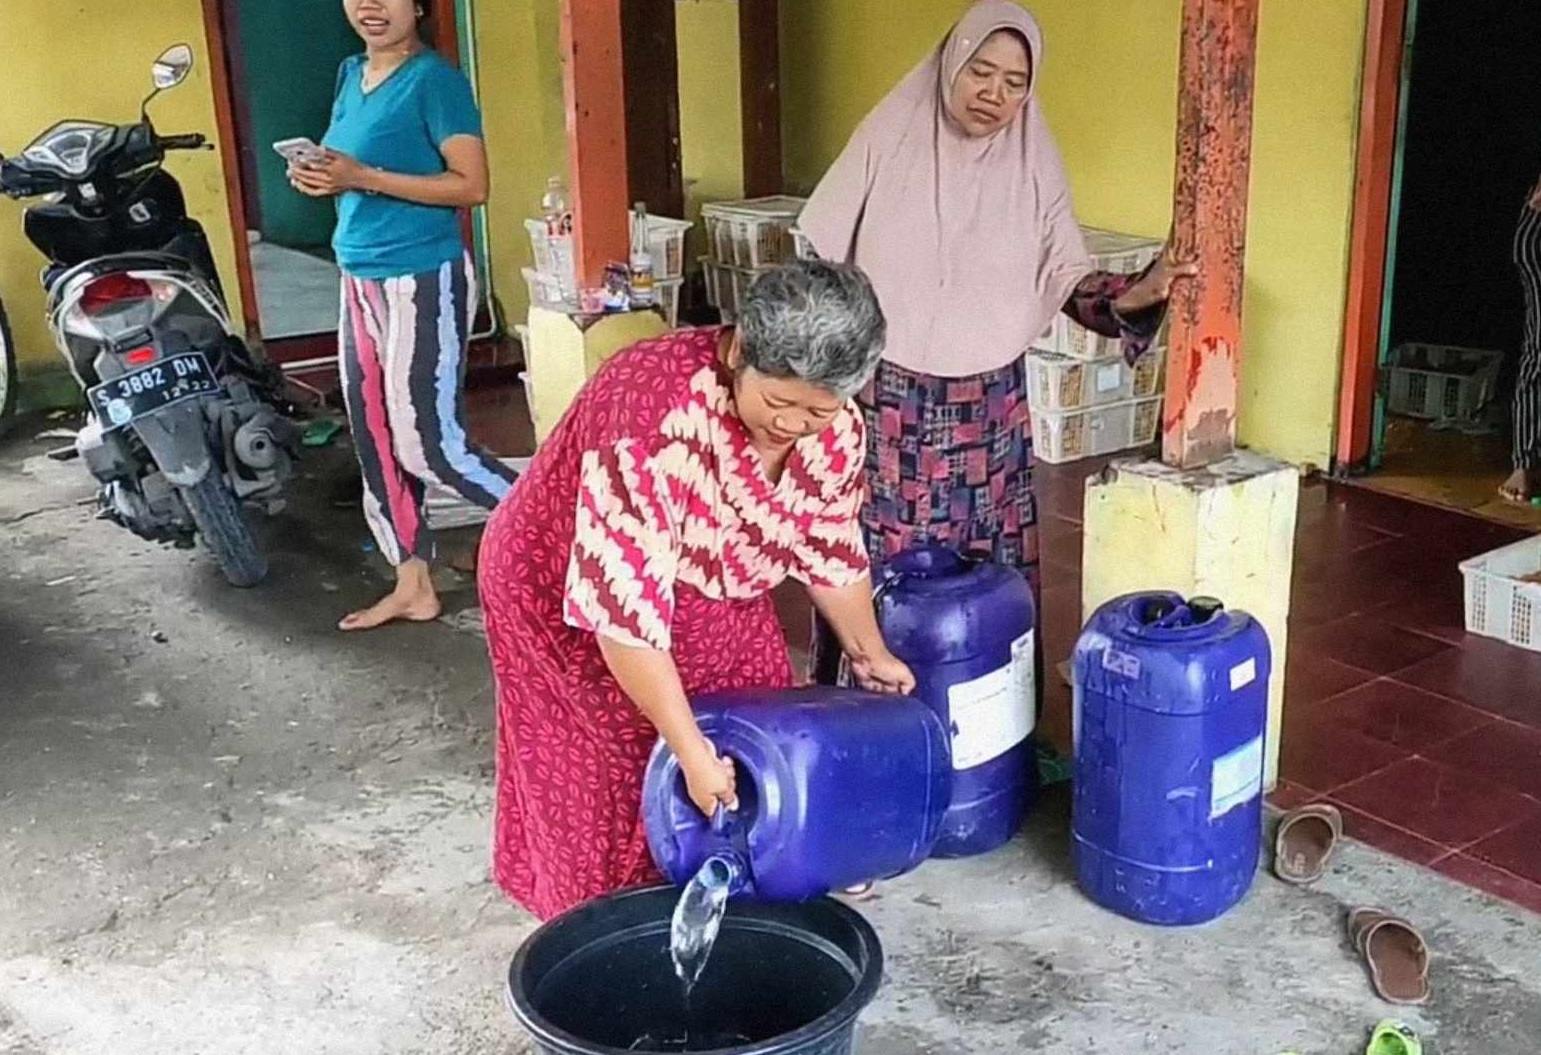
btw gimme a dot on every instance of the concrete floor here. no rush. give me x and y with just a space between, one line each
229 829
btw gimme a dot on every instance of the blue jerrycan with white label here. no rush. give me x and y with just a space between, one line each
1171 713
967 628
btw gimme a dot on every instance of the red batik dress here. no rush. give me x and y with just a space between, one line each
647 517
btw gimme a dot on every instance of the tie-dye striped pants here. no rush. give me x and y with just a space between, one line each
402 344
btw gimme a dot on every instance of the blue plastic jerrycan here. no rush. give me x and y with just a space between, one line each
1171 713
967 628
836 788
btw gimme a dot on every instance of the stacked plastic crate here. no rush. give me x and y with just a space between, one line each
553 283
1086 399
744 238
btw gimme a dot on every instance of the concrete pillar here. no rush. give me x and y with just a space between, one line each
563 351
1226 530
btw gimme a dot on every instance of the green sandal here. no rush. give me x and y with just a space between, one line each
1393 1038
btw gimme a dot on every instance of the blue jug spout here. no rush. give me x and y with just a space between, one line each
728 870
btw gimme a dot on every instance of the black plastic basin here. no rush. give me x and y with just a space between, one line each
783 980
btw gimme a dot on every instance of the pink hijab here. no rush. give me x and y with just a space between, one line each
971 244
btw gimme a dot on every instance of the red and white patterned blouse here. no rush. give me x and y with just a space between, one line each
690 504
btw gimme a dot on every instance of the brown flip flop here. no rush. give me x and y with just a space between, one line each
1305 843
1396 954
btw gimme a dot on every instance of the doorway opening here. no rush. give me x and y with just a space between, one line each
275 74
1430 419
283 68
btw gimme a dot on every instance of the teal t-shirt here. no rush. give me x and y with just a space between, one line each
399 126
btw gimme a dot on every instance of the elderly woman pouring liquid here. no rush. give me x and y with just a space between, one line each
631 569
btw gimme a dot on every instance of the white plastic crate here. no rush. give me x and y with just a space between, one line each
802 246
1069 338
1123 253
553 258
666 244
1503 594
1441 382
1057 382
726 287
667 295
752 234
719 287
546 291
1061 436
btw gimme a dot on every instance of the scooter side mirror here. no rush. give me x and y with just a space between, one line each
172 68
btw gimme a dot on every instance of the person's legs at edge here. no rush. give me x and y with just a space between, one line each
393 498
1525 483
427 337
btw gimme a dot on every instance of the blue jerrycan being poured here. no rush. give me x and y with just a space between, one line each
967 628
836 788
1171 712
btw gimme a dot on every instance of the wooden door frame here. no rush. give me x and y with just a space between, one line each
228 107
1379 118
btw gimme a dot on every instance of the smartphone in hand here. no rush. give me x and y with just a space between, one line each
299 151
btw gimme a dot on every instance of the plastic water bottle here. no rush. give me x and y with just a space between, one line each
556 208
642 295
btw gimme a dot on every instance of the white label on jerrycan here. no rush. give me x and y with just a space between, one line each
1237 778
993 714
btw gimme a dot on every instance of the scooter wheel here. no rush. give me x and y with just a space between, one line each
223 531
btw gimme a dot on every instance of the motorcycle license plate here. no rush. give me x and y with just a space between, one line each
126 399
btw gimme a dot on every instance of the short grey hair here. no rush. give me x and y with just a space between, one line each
815 321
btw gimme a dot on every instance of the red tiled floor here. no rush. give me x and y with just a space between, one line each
1368 643
1448 806
1400 715
1488 675
1513 850
1316 754
1502 753
1364 828
1311 679
1388 838
1490 880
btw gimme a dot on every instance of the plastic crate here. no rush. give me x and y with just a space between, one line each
546 291
802 246
752 234
1441 382
666 293
1123 253
726 287
666 244
1503 594
719 287
1058 382
1069 338
1061 436
554 258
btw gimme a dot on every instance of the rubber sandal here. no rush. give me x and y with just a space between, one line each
1305 842
1393 1038
1394 952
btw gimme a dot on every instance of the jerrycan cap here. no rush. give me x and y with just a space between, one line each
1169 617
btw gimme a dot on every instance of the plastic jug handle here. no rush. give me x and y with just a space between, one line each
721 820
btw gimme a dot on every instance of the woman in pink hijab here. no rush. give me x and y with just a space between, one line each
952 197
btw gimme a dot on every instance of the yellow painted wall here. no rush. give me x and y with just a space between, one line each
519 70
711 122
63 60
1109 87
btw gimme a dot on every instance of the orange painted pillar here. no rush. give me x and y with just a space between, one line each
1214 157
593 75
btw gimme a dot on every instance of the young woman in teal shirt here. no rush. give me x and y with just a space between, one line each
403 154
